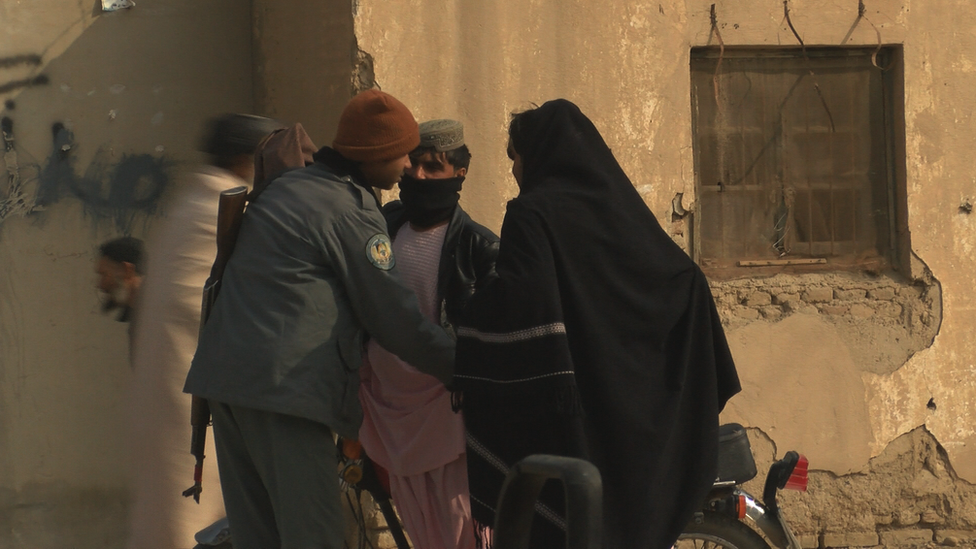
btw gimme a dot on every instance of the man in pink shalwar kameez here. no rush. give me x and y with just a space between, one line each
409 427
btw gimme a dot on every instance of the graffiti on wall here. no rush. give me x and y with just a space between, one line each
18 83
115 189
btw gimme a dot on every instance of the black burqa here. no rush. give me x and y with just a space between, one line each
599 339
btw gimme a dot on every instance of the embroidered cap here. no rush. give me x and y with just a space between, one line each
442 134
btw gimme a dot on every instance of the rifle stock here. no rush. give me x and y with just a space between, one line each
230 214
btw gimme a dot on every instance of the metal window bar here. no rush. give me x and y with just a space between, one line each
851 72
720 139
831 137
809 190
853 190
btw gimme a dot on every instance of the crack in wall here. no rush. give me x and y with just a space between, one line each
363 74
910 489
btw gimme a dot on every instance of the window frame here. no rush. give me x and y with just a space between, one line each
896 256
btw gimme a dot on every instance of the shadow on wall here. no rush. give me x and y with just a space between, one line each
117 191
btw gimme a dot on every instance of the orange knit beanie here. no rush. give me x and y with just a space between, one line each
374 127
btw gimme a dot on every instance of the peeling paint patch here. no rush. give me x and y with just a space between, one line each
899 403
910 485
801 387
637 125
363 75
115 5
963 64
883 321
16 201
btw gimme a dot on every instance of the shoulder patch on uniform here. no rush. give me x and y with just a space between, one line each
379 251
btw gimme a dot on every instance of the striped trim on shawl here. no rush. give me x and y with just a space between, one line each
511 337
499 464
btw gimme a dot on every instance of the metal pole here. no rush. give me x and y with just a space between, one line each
584 501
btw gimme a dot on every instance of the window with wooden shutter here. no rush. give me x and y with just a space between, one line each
793 155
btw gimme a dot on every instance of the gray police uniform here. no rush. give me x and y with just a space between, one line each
312 274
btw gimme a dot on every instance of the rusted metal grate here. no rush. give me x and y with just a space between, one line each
785 170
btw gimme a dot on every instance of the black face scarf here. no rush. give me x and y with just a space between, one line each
427 202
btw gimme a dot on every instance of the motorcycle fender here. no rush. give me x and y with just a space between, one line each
771 525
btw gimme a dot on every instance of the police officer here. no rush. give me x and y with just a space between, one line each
312 273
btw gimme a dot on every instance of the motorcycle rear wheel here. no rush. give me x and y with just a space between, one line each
713 530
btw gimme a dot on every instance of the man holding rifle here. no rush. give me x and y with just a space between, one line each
181 249
312 274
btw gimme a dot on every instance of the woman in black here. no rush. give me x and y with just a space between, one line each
599 339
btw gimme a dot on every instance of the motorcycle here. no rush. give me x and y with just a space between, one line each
721 521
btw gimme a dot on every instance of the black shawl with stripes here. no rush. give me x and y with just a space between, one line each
599 339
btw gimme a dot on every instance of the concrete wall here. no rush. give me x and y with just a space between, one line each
128 91
304 54
838 365
101 112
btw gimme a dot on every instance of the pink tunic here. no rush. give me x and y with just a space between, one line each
409 427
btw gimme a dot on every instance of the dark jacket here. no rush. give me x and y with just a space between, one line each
467 259
310 276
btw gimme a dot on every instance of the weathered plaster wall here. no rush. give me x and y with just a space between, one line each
811 381
941 233
303 58
480 61
129 91
907 496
